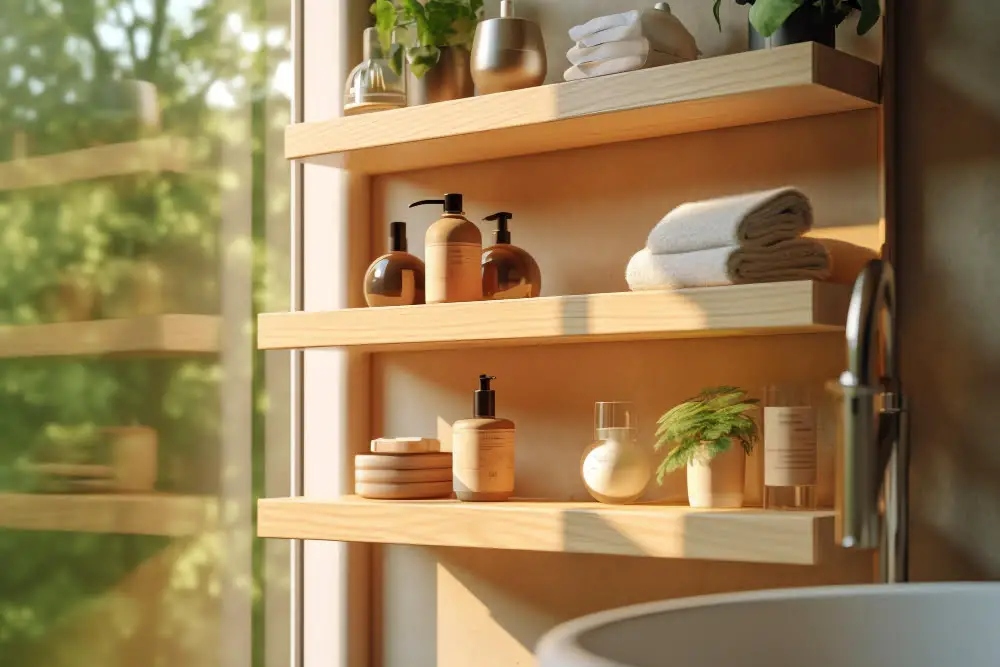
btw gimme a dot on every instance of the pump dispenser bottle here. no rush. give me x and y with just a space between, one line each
395 279
508 271
453 248
483 450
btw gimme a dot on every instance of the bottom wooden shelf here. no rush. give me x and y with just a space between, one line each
131 514
658 531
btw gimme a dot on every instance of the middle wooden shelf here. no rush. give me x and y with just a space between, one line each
736 310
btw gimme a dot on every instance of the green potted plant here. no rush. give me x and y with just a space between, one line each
780 22
711 435
440 35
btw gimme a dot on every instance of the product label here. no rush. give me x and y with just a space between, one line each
407 292
483 461
519 291
453 272
789 446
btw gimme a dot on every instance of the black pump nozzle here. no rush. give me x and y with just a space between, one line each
484 402
501 218
397 237
452 203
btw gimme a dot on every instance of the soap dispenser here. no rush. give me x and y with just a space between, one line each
483 450
508 53
508 271
453 248
395 279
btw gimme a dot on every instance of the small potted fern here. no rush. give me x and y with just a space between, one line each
711 435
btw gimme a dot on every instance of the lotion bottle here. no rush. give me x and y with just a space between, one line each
508 271
483 450
397 278
453 248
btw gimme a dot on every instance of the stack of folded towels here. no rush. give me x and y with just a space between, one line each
750 238
628 41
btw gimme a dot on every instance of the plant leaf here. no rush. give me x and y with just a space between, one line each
871 12
396 55
422 58
769 15
385 22
715 12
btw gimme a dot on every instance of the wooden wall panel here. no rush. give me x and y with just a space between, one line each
947 164
582 214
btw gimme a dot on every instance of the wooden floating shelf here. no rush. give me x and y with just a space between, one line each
126 514
162 154
139 336
737 310
793 81
656 531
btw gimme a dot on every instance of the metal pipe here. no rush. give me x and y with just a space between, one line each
873 457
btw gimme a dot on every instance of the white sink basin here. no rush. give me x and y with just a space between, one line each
907 625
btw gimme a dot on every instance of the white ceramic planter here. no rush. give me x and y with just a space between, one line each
718 483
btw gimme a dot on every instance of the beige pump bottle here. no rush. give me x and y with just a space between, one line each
452 251
483 451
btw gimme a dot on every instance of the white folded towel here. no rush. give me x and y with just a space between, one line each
638 46
619 65
600 23
793 259
755 218
664 31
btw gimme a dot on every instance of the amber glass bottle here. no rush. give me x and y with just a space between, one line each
508 271
397 278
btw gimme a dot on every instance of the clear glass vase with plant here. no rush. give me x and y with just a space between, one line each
767 16
711 434
437 24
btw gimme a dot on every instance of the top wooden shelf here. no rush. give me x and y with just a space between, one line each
143 156
742 89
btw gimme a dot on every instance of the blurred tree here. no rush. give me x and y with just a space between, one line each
64 65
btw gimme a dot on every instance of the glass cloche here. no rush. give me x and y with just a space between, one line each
372 85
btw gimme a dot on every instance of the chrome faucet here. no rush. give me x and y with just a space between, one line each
873 456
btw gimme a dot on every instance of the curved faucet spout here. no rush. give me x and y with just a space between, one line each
872 312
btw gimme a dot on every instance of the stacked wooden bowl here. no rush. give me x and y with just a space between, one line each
403 469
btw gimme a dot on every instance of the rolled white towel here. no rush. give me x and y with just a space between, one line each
619 65
794 259
755 218
664 31
638 46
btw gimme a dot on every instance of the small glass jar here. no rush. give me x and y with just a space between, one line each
790 470
372 85
614 468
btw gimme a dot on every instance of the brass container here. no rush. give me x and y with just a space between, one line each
449 79
508 53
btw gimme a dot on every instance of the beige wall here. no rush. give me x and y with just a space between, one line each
948 243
